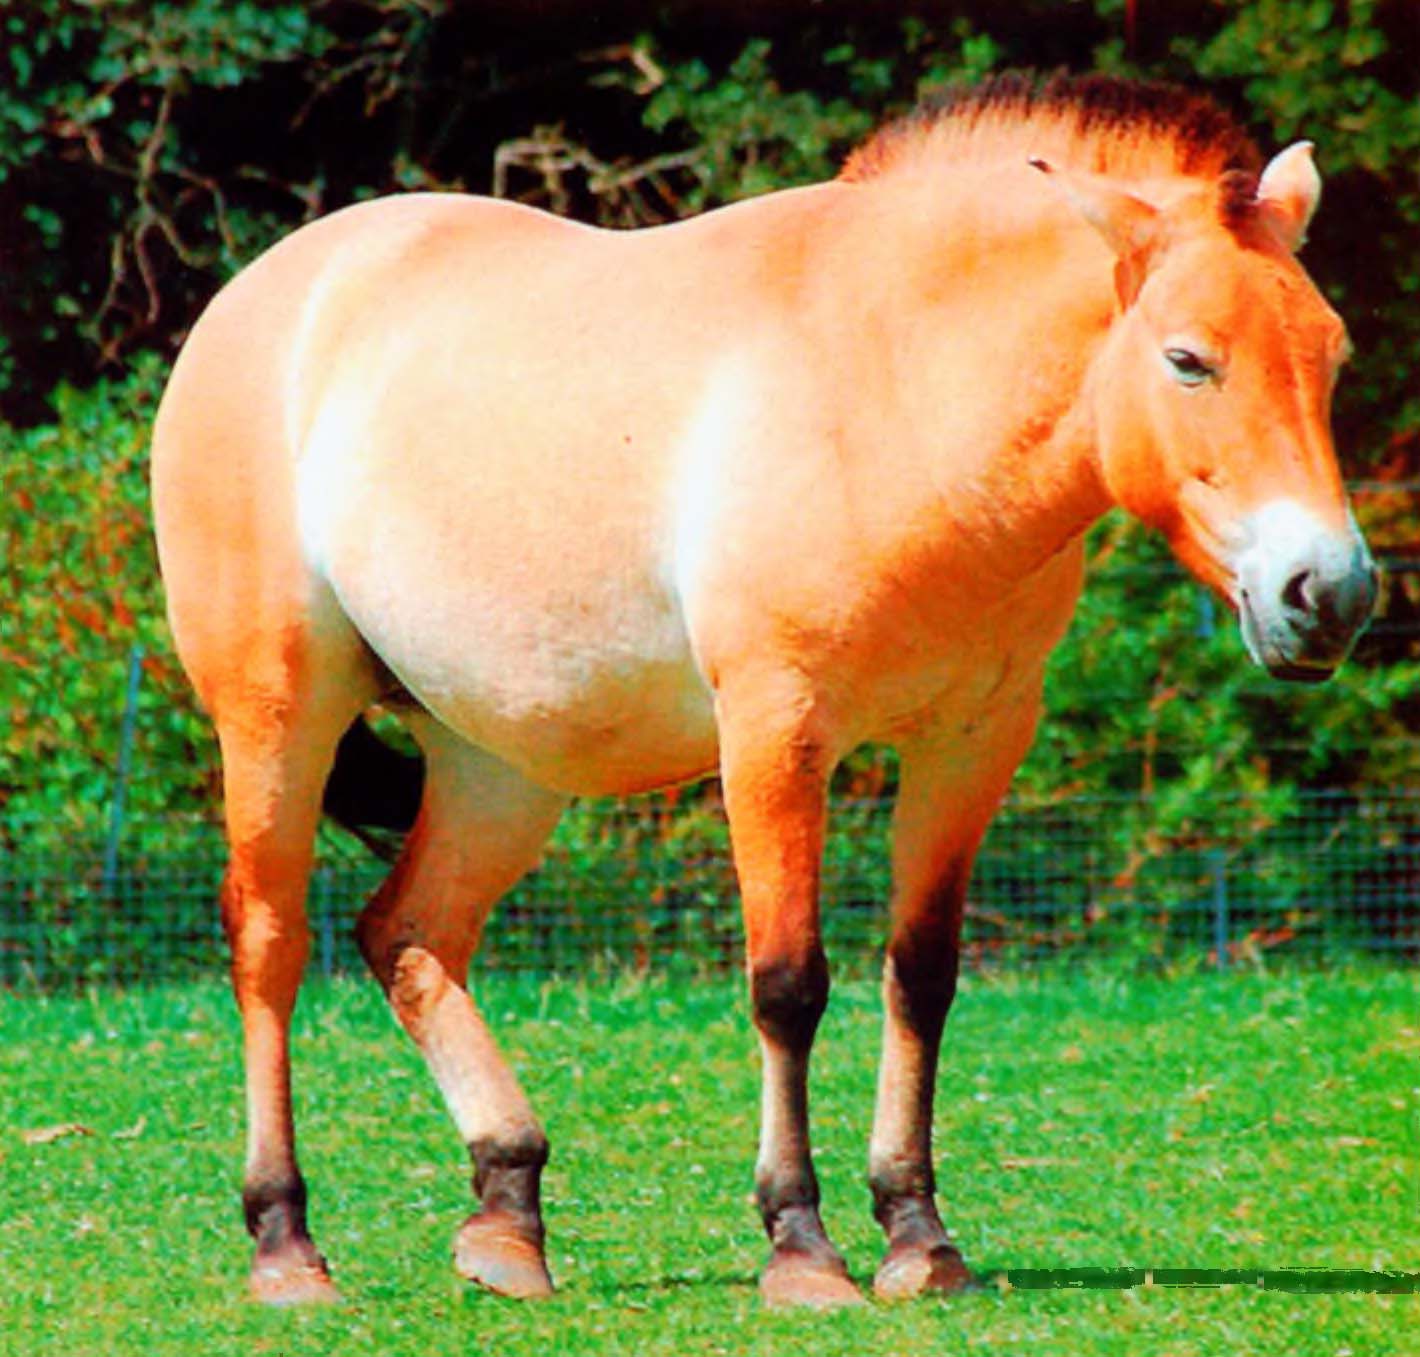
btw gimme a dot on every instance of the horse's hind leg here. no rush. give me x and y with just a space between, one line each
277 747
481 826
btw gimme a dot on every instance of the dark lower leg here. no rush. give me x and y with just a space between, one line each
269 946
804 1268
275 1211
500 1246
918 986
786 1187
507 1179
286 1267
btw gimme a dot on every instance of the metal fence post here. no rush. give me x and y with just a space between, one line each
1207 615
120 779
1220 907
325 923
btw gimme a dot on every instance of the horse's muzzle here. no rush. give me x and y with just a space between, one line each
1304 594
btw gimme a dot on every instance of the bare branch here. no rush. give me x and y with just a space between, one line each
619 188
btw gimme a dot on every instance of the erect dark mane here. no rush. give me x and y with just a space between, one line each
1110 125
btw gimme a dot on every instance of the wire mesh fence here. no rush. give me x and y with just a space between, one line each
649 883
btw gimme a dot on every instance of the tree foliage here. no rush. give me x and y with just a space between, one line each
147 150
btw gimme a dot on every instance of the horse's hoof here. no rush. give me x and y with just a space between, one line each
497 1255
908 1272
281 1282
807 1281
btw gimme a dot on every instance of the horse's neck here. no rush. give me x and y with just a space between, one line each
1042 490
1000 314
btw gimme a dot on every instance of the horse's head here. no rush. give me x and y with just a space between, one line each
1212 401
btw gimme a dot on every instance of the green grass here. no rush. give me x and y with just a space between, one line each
1200 1122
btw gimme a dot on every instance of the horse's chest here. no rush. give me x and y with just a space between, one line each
958 659
947 684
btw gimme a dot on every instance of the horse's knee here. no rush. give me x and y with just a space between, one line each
416 978
413 968
789 998
920 992
411 974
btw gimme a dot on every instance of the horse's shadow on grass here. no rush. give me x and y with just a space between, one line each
734 1281
1290 1279
1004 1280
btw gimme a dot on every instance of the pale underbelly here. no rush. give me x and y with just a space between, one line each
614 735
531 620
598 698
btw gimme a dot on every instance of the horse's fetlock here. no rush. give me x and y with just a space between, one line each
275 1207
507 1172
527 1148
897 1182
797 1227
776 1197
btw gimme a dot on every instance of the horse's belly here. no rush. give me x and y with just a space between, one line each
588 686
592 725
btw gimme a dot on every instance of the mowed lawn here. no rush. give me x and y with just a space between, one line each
1201 1121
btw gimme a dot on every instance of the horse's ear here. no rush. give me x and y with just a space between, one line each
1128 224
1288 193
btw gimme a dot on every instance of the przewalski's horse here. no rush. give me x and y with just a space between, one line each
608 511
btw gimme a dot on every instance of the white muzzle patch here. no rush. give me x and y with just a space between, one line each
1304 590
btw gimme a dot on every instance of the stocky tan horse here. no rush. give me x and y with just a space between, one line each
606 511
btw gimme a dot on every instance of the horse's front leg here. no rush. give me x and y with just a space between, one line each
945 802
775 774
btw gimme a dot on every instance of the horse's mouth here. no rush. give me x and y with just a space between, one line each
1300 673
1282 662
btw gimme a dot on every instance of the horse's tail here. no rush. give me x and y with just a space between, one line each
373 789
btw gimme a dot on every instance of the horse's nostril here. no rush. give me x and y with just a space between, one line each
1296 597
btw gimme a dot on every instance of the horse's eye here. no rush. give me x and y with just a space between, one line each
1188 367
